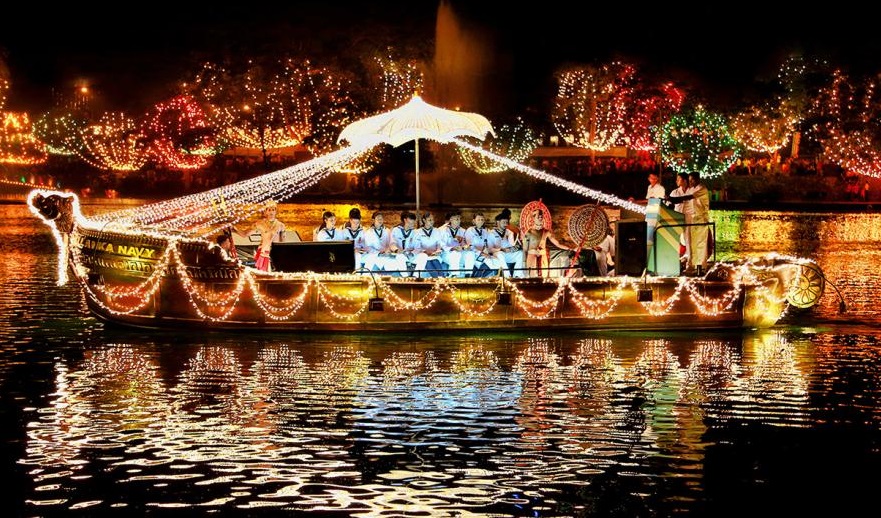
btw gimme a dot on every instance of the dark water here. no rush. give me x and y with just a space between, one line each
782 422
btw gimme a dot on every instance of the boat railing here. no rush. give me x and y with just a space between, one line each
710 224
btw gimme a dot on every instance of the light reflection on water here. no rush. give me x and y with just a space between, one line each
457 424
581 423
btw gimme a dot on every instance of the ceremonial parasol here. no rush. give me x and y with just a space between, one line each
415 120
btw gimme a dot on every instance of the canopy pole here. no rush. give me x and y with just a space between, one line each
417 178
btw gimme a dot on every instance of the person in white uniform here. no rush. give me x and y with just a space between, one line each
402 242
353 231
378 255
504 246
428 247
328 231
453 254
478 253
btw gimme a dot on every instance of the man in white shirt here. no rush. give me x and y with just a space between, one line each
655 189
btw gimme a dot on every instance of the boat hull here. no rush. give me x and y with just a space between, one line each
150 282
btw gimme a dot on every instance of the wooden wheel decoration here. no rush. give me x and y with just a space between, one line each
529 211
805 288
588 225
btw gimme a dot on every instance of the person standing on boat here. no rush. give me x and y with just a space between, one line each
605 253
271 231
453 255
328 231
479 254
654 190
700 234
428 246
535 245
353 231
696 208
680 191
505 246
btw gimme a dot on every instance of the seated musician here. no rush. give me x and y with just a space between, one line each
378 253
479 258
453 255
428 246
402 242
353 231
505 246
328 231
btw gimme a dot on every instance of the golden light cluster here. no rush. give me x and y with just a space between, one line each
17 142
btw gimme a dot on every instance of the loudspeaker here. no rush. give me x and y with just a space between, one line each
630 247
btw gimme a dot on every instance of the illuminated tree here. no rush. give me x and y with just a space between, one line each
514 141
397 80
590 107
698 140
275 104
800 81
114 143
61 131
17 142
648 107
763 130
849 128
177 134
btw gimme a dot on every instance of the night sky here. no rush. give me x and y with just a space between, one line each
134 56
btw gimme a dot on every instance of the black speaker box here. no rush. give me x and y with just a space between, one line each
631 251
316 256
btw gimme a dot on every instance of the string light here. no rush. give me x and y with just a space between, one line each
590 107
17 142
515 141
698 141
178 134
554 180
114 143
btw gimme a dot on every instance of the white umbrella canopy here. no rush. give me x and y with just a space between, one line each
413 121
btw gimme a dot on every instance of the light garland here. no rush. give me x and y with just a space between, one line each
555 180
515 141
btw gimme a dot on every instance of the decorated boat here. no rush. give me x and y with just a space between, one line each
158 266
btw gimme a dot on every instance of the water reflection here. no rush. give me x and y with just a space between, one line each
481 424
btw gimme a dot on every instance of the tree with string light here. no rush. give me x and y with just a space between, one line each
647 107
849 123
515 141
177 134
764 130
61 130
18 145
114 143
698 141
590 107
